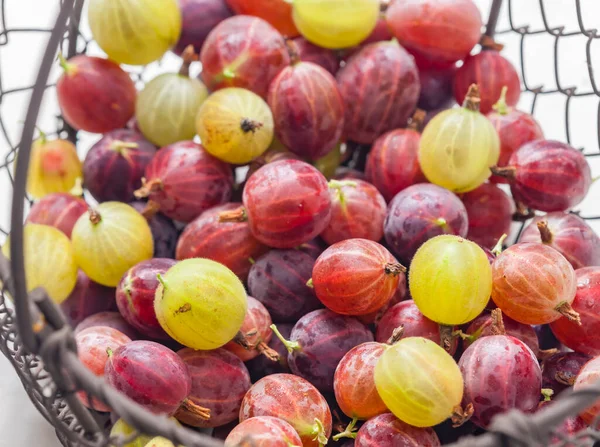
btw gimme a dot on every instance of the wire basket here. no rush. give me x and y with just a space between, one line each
40 344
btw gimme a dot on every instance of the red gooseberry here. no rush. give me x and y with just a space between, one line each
58 210
547 175
588 377
569 234
491 72
277 12
356 276
383 79
515 128
357 211
243 51
108 319
230 243
534 284
164 232
420 212
86 299
489 211
286 204
92 344
354 383
95 94
309 52
584 337
393 163
219 382
263 431
386 430
308 110
294 400
436 32
198 18
500 372
114 166
560 370
185 180
318 342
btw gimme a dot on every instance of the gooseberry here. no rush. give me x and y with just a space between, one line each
230 243
108 319
235 125
547 175
356 276
219 382
110 239
492 389
308 52
589 376
308 109
318 342
560 370
200 303
387 430
50 261
419 382
114 166
534 284
278 13
279 279
459 146
515 128
463 280
139 32
185 180
489 211
95 94
335 24
263 431
584 337
386 104
294 400
357 211
437 32
420 212
58 210
87 298
167 106
567 233
198 18
243 51
164 232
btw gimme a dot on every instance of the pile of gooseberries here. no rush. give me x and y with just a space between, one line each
306 242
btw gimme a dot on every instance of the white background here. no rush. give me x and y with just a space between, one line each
20 424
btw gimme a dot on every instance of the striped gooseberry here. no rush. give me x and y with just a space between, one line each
534 284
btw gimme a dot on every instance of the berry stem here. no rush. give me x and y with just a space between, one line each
310 284
467 337
545 233
472 98
292 49
241 340
394 268
197 410
396 335
547 394
446 337
349 432
543 354
319 432
161 280
43 137
228 73
77 189
236 215
497 323
567 311
501 107
416 122
248 125
291 346
95 217
109 352
268 352
339 184
120 146
507 172
488 43
460 416
188 56
152 207
565 378
148 188
442 223
498 247
68 68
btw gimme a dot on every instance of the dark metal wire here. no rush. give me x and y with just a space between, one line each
46 361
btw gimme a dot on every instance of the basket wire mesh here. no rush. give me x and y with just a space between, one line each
39 343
